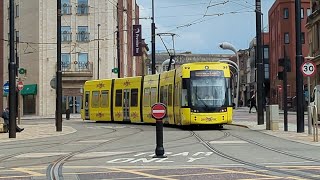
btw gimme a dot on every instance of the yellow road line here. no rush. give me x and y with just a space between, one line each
28 171
142 174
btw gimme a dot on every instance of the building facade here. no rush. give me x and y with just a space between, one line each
86 24
1 55
283 38
313 26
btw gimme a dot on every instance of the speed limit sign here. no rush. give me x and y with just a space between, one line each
308 68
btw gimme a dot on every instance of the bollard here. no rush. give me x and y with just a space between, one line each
68 114
268 117
309 119
272 117
315 123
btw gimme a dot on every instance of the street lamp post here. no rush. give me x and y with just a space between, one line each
226 45
98 50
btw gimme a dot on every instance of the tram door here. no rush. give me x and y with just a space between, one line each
86 104
126 104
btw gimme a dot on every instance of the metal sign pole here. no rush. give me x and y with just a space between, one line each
309 112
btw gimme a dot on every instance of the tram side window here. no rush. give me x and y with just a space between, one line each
175 94
164 95
118 98
153 99
95 99
104 99
146 97
134 97
170 95
86 101
184 93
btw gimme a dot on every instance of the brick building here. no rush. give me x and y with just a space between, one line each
283 35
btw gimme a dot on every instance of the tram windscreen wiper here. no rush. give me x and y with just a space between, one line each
201 100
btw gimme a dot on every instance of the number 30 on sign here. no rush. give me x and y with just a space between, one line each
308 68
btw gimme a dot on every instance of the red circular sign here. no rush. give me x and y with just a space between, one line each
159 111
308 68
20 85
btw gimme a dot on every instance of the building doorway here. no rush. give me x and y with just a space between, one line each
73 103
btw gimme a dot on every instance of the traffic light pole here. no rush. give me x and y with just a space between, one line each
59 72
259 63
12 76
285 90
299 78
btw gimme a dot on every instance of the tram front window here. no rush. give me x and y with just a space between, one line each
209 93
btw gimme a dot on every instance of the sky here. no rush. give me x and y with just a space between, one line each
200 25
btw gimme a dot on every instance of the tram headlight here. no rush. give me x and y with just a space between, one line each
223 110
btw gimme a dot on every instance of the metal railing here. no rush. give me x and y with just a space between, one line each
83 9
83 36
76 66
66 9
66 36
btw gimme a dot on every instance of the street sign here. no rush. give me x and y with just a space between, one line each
20 85
159 111
308 68
6 87
115 70
22 71
53 83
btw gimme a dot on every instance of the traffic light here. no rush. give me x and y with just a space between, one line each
284 63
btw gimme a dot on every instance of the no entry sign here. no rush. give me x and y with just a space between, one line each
159 111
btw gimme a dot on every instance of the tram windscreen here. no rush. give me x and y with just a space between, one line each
209 90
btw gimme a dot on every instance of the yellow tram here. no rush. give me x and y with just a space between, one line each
195 94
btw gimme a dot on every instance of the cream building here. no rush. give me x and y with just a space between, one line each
36 30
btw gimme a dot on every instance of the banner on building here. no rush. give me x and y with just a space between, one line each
137 49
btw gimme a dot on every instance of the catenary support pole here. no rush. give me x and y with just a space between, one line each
118 44
299 79
12 75
153 43
259 64
98 70
59 73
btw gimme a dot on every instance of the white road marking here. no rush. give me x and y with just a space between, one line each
99 154
39 155
228 142
95 141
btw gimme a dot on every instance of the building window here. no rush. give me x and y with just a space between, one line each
308 12
66 35
285 13
17 36
65 61
286 38
17 11
83 61
317 41
303 39
266 52
83 34
65 7
82 8
302 13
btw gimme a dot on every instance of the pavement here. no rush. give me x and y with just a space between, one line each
43 129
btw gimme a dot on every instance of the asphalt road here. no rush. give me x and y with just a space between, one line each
125 151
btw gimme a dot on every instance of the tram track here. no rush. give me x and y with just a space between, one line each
243 162
275 150
54 170
50 145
